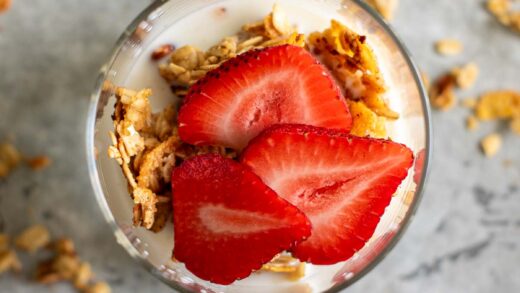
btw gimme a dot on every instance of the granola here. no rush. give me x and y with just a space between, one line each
147 146
504 13
449 47
39 162
466 75
491 144
33 238
442 95
385 7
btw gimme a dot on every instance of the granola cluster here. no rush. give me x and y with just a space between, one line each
147 146
188 64
11 158
63 265
354 65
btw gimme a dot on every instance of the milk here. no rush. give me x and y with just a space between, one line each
206 27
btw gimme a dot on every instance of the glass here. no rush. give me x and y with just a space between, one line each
406 95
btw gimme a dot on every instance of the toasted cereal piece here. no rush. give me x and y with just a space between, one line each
9 262
39 162
282 263
385 7
157 165
449 47
66 266
82 276
491 144
164 211
498 105
466 75
64 246
354 66
99 287
144 207
472 123
33 238
365 122
280 21
442 94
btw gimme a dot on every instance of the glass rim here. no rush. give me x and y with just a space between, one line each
126 243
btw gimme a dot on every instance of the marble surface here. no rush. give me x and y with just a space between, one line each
464 238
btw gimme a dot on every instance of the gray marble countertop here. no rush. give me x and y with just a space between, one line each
464 238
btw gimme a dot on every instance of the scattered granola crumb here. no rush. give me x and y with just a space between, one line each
385 7
4 5
4 242
100 287
9 262
449 47
491 144
10 157
39 162
469 103
63 246
503 12
162 51
82 276
466 75
472 123
33 238
498 105
442 94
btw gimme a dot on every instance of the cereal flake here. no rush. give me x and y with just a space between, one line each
449 47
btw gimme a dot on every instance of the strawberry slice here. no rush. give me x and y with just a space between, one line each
257 89
228 223
341 182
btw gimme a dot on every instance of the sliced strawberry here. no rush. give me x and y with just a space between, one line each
341 182
257 89
228 223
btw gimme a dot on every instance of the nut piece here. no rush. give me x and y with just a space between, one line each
162 51
448 47
39 162
385 7
466 75
503 12
491 144
64 246
472 123
33 238
100 287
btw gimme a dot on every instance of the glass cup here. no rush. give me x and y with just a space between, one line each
406 95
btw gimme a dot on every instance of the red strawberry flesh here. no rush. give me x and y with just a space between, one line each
341 182
260 88
227 222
